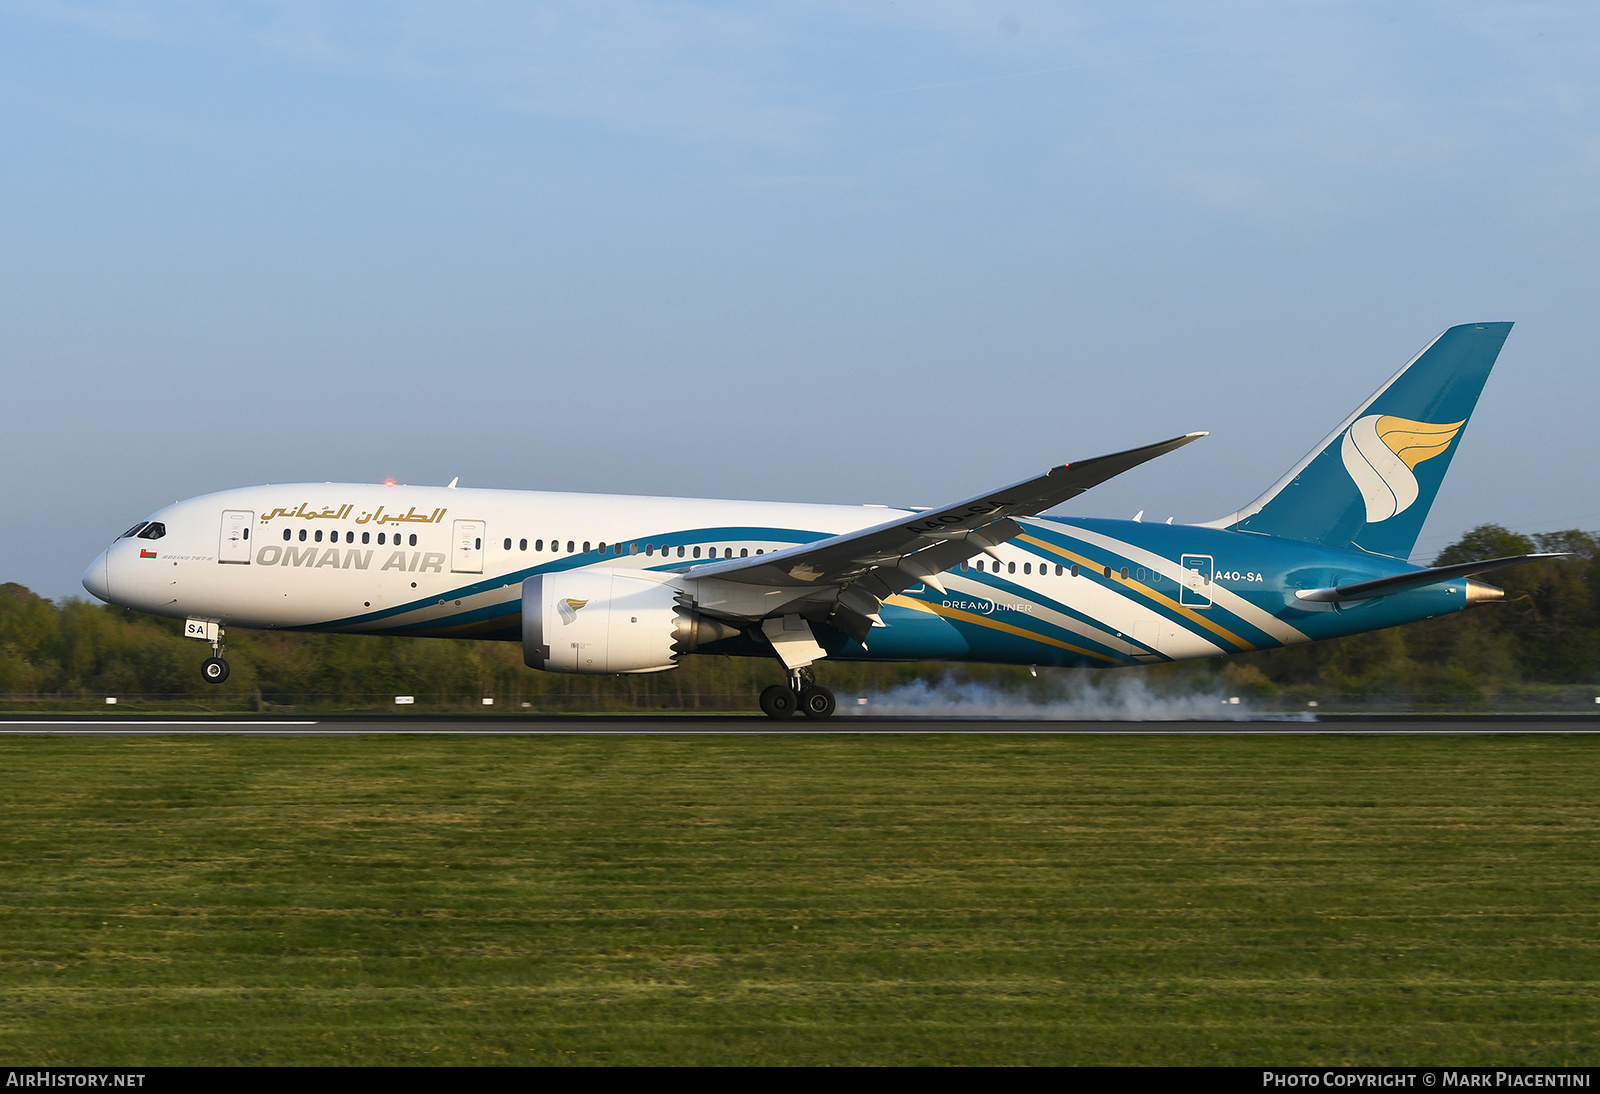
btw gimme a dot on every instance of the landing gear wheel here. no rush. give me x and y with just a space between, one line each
777 701
214 669
817 702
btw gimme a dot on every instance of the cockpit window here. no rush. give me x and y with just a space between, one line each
131 532
154 530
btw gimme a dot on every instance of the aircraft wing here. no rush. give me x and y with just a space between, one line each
865 567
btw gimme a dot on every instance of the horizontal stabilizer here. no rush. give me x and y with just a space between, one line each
1384 586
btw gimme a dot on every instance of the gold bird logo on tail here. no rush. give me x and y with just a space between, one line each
1381 452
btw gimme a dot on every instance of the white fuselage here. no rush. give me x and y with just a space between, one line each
434 561
332 566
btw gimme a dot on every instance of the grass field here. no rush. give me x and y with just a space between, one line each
804 900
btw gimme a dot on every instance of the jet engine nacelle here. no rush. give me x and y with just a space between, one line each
610 621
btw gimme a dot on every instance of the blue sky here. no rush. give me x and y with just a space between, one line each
865 252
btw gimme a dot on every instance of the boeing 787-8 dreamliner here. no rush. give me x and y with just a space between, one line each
594 583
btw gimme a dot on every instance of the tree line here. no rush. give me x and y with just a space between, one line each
1546 632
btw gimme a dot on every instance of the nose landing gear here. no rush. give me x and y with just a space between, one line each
214 669
802 693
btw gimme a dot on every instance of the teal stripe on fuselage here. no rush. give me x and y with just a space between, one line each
692 537
986 637
910 634
1285 566
1169 543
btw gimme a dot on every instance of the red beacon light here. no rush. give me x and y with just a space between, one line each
388 482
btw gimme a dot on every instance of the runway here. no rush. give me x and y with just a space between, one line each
746 726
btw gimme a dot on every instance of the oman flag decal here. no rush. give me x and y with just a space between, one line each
146 554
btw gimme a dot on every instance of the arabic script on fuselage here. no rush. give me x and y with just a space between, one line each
305 512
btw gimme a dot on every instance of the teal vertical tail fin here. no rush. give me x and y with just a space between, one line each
1370 484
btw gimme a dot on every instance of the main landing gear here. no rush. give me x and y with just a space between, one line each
214 669
802 693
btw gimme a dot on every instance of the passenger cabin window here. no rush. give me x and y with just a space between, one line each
380 539
413 539
1074 569
1011 567
508 543
1058 569
318 537
744 552
697 552
366 537
154 530
286 535
522 545
1027 567
1124 573
302 535
569 546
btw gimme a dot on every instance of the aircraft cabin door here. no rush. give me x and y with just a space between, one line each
1195 586
466 550
235 545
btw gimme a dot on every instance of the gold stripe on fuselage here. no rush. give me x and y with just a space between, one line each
1138 586
901 601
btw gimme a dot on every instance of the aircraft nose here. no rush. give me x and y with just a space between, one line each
97 580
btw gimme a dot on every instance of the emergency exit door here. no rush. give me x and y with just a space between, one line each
235 545
466 553
1195 584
